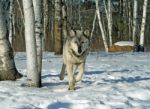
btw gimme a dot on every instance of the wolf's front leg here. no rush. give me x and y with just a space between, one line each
71 78
81 71
62 73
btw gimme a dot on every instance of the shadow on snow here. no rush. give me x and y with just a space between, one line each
128 80
59 105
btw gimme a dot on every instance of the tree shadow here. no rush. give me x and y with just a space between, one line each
59 105
128 80
104 71
87 82
48 84
50 75
93 72
122 71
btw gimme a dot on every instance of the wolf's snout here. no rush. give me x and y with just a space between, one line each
79 49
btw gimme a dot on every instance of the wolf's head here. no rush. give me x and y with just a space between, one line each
79 41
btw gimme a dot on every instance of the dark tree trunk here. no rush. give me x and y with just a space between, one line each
58 28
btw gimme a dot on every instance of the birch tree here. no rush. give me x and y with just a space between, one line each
134 34
57 28
108 11
124 11
143 25
93 27
38 34
32 71
101 26
8 69
64 20
11 21
110 22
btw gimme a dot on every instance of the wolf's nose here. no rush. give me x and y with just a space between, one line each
79 50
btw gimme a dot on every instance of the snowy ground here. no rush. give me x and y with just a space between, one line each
111 81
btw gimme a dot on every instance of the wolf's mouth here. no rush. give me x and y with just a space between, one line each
79 50
78 55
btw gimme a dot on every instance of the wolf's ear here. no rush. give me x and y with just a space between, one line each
86 33
72 33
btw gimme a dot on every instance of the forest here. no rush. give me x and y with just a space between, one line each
126 16
32 36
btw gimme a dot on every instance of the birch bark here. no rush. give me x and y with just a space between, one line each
8 69
101 26
143 25
32 71
11 22
37 4
110 22
134 34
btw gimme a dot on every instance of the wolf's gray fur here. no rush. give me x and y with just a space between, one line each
75 51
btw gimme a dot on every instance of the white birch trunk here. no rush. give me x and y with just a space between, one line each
124 11
32 71
110 22
93 27
105 6
101 26
8 69
143 23
64 21
37 4
11 22
134 34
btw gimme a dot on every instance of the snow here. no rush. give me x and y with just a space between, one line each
111 81
124 43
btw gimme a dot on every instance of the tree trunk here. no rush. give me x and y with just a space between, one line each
143 25
32 71
8 69
46 25
110 22
93 27
134 34
124 11
58 28
101 26
129 20
52 14
37 4
64 21
6 7
11 22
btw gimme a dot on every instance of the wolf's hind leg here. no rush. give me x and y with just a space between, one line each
62 73
81 71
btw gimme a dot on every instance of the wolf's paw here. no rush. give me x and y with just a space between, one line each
71 88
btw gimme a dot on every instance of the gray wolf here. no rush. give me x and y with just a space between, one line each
75 51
